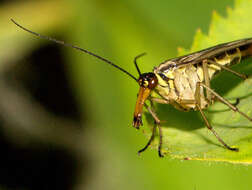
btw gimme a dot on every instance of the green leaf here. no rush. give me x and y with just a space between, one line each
185 135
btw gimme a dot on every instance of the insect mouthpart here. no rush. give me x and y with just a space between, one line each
147 82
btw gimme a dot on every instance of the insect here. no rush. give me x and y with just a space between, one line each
183 82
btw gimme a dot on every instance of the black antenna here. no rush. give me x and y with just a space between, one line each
135 61
75 47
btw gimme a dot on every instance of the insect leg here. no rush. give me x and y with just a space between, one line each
160 140
197 97
207 79
164 101
159 100
157 124
228 69
224 101
186 101
150 140
236 103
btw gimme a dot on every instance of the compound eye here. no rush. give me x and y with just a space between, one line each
153 83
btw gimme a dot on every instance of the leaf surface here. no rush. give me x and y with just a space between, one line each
185 135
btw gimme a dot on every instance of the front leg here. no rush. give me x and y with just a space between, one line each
156 124
179 101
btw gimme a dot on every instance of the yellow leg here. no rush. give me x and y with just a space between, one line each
224 101
207 79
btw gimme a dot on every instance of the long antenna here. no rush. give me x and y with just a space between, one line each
75 47
135 61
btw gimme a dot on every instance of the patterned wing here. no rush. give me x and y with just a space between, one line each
208 53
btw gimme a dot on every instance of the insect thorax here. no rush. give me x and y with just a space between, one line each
178 84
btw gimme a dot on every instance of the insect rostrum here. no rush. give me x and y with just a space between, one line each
183 82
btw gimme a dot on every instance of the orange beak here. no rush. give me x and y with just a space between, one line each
143 94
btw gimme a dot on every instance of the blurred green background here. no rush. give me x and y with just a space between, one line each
97 133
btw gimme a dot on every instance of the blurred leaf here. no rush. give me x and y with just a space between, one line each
36 15
184 134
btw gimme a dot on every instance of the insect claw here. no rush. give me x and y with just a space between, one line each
237 101
160 154
139 153
143 149
234 149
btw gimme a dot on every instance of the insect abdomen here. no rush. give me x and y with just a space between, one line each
230 57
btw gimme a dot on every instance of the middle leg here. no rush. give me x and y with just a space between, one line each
197 97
